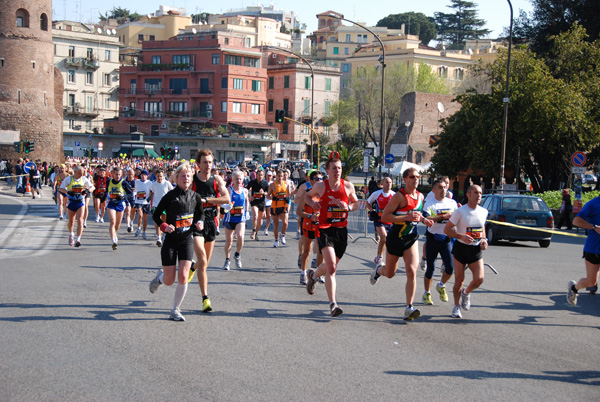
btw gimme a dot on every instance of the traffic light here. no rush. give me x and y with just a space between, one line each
315 162
31 146
168 153
162 152
26 147
279 115
18 146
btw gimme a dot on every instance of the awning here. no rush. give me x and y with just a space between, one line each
152 153
138 152
253 125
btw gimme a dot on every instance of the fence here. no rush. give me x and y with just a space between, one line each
358 221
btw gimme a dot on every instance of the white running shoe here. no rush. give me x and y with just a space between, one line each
158 241
374 276
266 232
97 219
282 238
377 260
303 278
155 283
227 265
465 300
276 244
571 296
176 315
238 261
101 220
71 240
456 312
85 224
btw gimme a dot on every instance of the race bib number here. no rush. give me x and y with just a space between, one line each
259 196
475 233
114 196
280 196
336 214
183 222
237 212
440 212
141 195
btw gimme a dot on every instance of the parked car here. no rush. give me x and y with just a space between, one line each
589 179
522 210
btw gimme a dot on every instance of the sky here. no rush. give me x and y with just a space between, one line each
496 13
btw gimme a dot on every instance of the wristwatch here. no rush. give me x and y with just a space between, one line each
595 226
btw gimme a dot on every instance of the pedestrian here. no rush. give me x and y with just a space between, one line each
467 225
34 181
183 210
588 218
566 208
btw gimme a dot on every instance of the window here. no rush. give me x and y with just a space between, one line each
107 55
133 128
443 72
327 108
107 80
248 43
181 59
336 50
270 105
346 51
44 22
133 86
155 59
306 111
89 77
22 18
255 108
204 86
460 73
88 125
140 38
71 99
271 82
106 102
284 129
153 109
326 130
227 41
286 105
71 76
89 104
71 123
251 62
345 68
153 84
306 82
238 83
237 107
224 82
328 84
223 106
256 85
234 60
89 53
178 85
348 38
178 106
71 51
286 81
216 58
152 37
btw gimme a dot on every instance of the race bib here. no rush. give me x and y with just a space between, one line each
259 196
475 232
237 212
440 212
183 222
141 195
336 214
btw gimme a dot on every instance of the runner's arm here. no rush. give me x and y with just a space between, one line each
224 194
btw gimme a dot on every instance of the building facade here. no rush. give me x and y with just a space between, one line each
88 60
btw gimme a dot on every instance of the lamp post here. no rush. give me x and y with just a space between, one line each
381 59
312 91
505 101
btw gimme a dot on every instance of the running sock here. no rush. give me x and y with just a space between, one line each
78 238
180 291
204 297
441 284
427 292
72 234
160 277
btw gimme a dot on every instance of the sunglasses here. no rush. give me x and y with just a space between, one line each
318 179
413 177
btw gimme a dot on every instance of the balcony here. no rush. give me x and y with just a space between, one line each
165 67
163 91
83 62
81 111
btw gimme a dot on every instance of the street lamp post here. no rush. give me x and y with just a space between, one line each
381 59
505 101
312 92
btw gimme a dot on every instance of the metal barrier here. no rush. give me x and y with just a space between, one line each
358 221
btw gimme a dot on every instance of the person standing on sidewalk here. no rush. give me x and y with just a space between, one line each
566 209
467 225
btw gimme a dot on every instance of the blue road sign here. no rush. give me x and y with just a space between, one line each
28 166
578 159
389 158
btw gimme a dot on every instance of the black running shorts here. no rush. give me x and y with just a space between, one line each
466 254
334 237
209 232
397 245
174 250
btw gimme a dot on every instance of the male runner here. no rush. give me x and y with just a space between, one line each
117 190
268 202
258 189
431 197
376 203
99 194
75 188
213 192
130 200
439 210
279 193
143 187
404 211
467 225
235 218
158 189
337 197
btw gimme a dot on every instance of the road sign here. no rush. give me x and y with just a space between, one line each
578 170
100 145
389 158
28 166
578 159
77 144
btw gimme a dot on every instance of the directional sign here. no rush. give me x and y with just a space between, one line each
389 158
77 144
28 166
578 159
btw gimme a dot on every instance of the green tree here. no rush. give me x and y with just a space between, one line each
455 28
120 14
415 24
352 158
201 17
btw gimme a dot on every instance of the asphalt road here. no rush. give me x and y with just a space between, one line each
81 325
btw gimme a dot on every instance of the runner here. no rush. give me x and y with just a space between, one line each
100 184
158 189
404 212
235 218
279 192
183 210
376 203
75 188
309 223
258 188
467 225
430 197
439 210
337 197
268 202
130 200
88 194
213 192
61 198
588 218
292 191
117 190
143 188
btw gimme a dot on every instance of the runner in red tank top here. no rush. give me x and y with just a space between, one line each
337 198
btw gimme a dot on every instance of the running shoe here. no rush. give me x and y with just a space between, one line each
276 244
97 219
427 299
218 232
442 291
192 271
374 276
206 305
321 279
311 282
114 245
303 278
465 300
282 237
158 241
377 260
77 243
155 283
137 232
571 296
61 217
299 261
71 240
266 232
456 312
101 220
85 224
411 313
176 315
298 234
226 265
335 310
129 229
313 263
256 236
423 264
238 261
144 236
252 235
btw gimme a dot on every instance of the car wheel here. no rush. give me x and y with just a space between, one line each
491 238
544 243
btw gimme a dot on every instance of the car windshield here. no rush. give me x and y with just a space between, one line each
523 204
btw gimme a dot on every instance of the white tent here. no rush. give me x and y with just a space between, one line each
400 167
426 165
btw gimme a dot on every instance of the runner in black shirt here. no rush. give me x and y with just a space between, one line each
258 190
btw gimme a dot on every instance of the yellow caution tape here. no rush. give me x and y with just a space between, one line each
553 231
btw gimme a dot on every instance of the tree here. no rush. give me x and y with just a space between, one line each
201 17
455 28
120 14
352 158
415 24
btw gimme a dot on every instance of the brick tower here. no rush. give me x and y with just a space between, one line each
30 87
